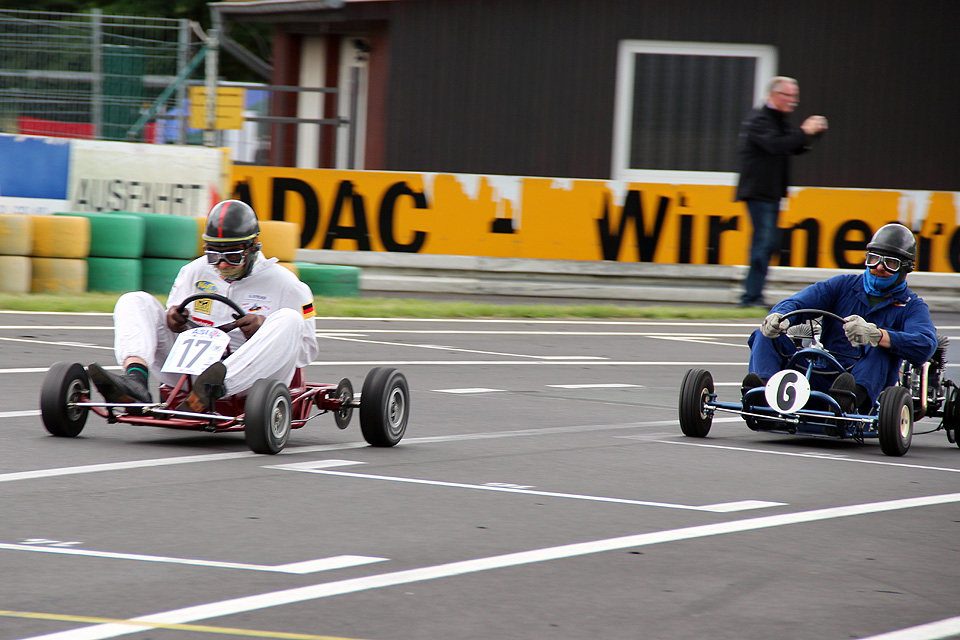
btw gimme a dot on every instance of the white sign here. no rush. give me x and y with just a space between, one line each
195 350
787 391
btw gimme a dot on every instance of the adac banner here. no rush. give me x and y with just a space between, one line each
544 218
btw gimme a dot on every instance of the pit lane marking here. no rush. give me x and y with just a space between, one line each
489 563
298 568
323 467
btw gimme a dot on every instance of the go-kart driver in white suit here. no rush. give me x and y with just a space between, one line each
275 337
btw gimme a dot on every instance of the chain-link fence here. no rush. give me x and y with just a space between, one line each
86 75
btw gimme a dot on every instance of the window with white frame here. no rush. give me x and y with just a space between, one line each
679 106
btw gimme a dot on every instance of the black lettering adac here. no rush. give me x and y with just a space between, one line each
715 229
955 250
335 231
632 210
812 229
311 206
386 216
841 244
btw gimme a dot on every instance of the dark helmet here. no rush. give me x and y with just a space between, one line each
895 240
231 221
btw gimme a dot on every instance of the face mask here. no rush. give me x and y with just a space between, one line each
880 286
232 273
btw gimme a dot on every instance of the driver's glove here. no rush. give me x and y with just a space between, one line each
774 325
176 321
860 332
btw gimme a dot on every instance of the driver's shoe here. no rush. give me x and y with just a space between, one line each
207 389
114 388
844 391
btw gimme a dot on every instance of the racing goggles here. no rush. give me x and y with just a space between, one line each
890 263
234 258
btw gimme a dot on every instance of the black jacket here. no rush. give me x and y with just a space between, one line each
765 145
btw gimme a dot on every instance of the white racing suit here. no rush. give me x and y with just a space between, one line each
285 341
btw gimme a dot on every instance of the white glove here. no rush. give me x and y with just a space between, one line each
774 325
860 332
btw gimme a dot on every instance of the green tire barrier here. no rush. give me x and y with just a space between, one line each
168 236
60 237
114 236
15 274
328 280
280 239
16 234
58 275
159 273
114 274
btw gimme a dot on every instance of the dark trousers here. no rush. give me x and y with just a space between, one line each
766 239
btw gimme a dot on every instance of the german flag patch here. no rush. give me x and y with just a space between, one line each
308 311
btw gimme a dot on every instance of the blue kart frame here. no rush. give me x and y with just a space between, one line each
788 404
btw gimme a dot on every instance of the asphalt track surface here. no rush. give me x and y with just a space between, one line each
543 490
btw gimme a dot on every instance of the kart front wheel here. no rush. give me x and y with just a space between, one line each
267 416
65 383
342 415
694 419
895 421
951 414
384 407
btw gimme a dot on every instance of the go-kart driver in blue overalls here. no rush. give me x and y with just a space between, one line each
879 311
275 337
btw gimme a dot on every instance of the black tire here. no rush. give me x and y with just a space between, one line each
64 383
384 407
694 421
895 421
343 415
951 414
267 416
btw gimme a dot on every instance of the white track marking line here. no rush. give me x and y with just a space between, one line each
819 456
947 628
726 507
457 349
300 568
215 457
58 343
355 585
468 390
610 385
19 414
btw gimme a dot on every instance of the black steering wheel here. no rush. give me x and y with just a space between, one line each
812 315
226 328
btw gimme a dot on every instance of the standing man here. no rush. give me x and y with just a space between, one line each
766 144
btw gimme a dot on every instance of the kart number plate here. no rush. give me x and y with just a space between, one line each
787 391
195 350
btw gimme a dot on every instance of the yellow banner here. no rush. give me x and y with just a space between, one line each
545 218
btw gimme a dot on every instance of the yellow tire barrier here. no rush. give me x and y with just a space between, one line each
113 235
60 237
16 234
15 272
58 275
279 239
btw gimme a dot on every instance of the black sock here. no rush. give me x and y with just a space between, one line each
139 372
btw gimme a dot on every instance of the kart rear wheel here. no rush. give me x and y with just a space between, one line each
951 414
344 392
384 407
65 383
895 421
267 416
694 420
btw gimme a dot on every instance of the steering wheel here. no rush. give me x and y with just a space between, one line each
812 314
226 328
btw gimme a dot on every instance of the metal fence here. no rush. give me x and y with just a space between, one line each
86 75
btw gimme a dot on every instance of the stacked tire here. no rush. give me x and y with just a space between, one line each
16 244
116 247
170 242
58 253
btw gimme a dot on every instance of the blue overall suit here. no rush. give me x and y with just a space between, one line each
904 316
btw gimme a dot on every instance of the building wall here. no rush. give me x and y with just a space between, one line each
526 87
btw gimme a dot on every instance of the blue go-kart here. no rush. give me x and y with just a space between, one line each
787 404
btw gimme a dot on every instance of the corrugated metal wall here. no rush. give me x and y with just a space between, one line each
526 87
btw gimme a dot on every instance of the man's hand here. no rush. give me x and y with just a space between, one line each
774 325
860 332
176 321
814 125
249 324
